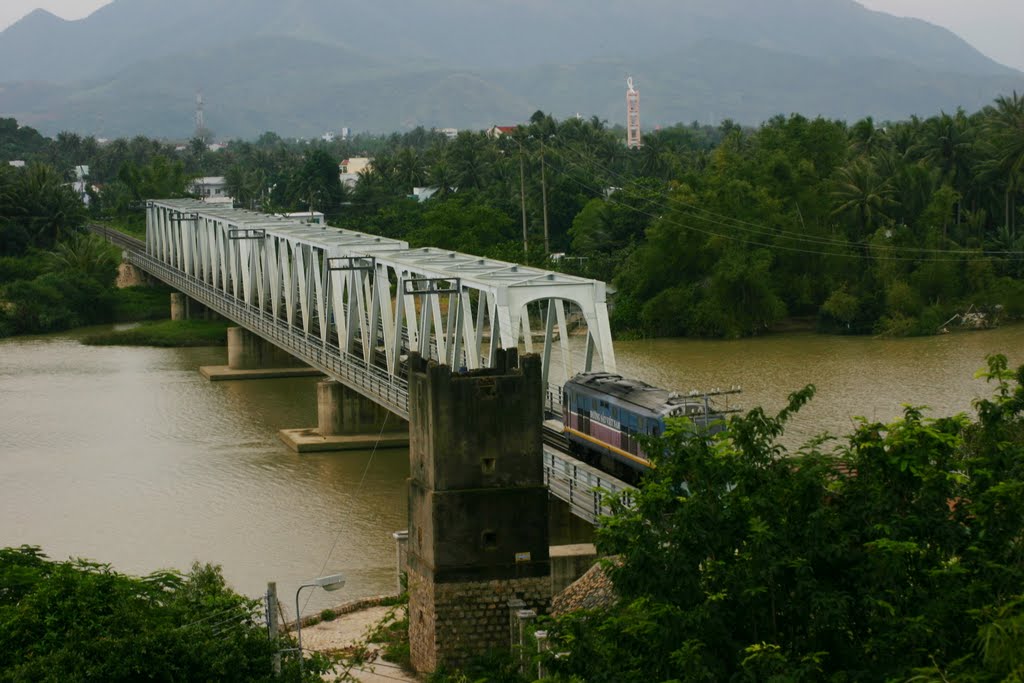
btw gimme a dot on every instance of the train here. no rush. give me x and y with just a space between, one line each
605 416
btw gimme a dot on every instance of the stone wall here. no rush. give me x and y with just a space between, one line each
130 276
459 621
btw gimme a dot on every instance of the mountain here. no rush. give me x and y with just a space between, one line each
304 66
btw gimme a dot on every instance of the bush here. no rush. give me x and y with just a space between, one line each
133 304
79 620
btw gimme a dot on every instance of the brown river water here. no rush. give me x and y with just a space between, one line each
128 456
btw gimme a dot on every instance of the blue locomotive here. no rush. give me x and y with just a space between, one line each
605 415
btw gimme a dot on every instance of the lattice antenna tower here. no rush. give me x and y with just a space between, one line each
200 120
634 138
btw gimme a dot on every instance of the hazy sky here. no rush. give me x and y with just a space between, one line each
992 26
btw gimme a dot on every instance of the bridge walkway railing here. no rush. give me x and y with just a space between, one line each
373 382
579 485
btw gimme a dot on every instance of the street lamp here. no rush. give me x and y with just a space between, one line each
328 583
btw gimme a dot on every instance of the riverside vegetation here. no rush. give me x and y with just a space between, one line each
865 228
54 276
894 555
78 620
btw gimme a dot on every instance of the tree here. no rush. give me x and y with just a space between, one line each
82 621
87 255
38 199
896 554
317 185
860 193
1005 124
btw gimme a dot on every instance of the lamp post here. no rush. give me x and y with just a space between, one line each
328 583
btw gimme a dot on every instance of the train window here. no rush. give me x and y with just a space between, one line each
615 413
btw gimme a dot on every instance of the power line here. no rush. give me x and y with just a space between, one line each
359 488
759 229
762 234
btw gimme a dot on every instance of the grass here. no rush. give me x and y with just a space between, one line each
392 633
165 333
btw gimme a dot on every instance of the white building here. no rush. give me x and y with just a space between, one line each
213 187
17 163
349 170
422 194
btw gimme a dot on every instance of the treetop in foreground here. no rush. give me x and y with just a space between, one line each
896 556
78 620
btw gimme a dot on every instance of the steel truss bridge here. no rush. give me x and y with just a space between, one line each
354 305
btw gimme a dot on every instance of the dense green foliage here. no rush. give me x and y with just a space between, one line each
888 228
82 621
896 556
53 275
724 231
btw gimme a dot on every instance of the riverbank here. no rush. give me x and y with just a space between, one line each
165 334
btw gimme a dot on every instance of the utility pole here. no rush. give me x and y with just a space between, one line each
272 626
544 198
522 200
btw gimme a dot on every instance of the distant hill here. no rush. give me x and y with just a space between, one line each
301 67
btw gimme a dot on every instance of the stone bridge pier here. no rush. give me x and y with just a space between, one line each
478 507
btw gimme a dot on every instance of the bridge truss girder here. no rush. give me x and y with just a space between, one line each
377 299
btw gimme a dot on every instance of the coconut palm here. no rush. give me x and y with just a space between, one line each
864 195
85 254
1004 122
46 206
409 168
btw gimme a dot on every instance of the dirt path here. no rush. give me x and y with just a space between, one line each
347 630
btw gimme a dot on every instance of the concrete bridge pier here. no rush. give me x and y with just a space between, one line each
186 308
566 528
347 420
179 307
252 357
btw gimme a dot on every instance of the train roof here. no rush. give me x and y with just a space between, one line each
643 395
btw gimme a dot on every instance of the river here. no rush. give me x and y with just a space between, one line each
128 456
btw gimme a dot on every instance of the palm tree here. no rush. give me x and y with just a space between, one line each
948 145
471 160
655 158
860 192
440 174
85 254
45 205
410 169
866 138
1004 123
